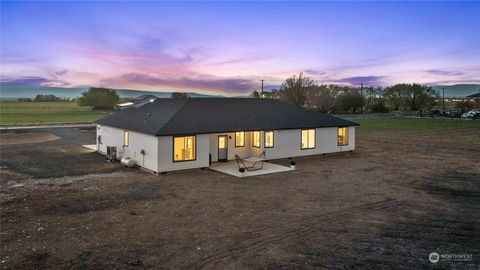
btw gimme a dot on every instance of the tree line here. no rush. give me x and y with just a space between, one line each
42 98
304 92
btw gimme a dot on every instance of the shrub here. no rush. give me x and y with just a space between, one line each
99 98
379 107
47 98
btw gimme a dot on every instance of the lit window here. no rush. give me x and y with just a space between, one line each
222 143
268 139
183 148
239 139
256 139
308 138
125 138
343 136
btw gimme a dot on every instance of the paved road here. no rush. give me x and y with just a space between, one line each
46 126
65 156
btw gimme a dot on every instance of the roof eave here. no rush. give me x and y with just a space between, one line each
248 130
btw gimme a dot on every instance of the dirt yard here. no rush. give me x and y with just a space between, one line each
400 196
24 138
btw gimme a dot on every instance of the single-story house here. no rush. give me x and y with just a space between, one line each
176 134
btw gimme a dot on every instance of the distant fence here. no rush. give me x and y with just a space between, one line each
413 114
369 115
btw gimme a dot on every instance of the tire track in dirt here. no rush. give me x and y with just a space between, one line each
418 145
428 132
288 230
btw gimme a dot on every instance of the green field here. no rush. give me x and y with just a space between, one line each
415 124
446 131
23 113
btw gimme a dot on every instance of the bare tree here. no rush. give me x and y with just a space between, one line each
255 94
294 90
350 99
410 97
273 94
393 96
321 98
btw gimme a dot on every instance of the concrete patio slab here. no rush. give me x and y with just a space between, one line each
90 146
231 168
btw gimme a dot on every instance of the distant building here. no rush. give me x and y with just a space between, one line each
143 98
136 102
470 98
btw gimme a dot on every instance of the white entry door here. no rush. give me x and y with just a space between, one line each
222 147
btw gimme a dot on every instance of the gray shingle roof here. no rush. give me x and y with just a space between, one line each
214 115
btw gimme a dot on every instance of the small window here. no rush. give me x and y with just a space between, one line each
256 139
184 148
342 136
308 139
125 138
268 139
239 139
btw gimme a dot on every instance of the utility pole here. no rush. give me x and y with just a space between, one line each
443 99
261 93
361 94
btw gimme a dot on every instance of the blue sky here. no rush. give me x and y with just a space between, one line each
227 47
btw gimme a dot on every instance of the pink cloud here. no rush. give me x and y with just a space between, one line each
204 82
444 72
359 80
62 72
33 81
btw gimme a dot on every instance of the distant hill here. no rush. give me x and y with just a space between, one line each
458 90
27 91
129 93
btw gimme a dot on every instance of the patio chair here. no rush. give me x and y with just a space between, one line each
251 161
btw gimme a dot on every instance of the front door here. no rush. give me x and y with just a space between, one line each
222 147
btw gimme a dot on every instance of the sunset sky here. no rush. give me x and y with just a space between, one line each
227 48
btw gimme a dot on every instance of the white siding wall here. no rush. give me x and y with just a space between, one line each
165 154
159 150
351 137
137 142
287 143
